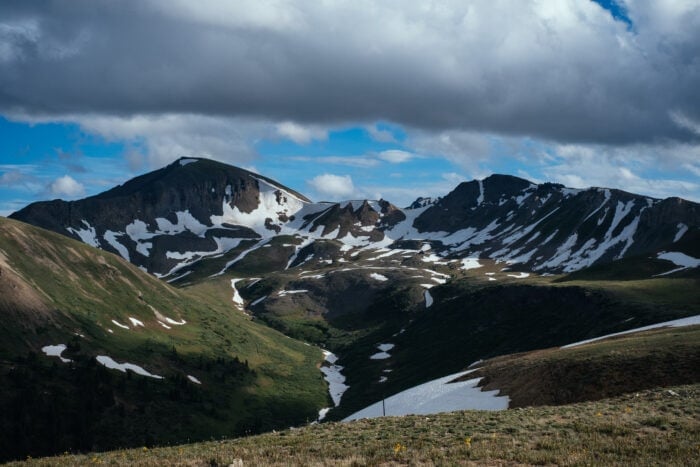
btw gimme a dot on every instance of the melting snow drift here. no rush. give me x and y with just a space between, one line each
336 381
112 365
437 396
56 351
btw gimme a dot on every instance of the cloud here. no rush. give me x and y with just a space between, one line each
153 141
300 134
380 135
396 156
333 186
350 161
564 71
633 169
66 186
12 178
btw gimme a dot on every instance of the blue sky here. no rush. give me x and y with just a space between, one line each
351 99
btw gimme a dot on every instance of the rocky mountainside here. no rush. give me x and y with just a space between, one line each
169 220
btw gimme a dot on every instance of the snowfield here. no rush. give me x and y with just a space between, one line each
681 260
689 321
436 396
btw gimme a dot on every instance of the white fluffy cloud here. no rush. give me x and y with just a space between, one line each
333 186
67 186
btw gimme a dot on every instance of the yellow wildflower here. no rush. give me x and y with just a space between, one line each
468 442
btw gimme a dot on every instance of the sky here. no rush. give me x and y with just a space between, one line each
348 99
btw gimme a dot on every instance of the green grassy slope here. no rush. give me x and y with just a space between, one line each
654 427
54 290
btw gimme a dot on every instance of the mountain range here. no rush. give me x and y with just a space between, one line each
260 287
194 209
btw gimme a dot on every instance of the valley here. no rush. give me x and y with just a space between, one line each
203 301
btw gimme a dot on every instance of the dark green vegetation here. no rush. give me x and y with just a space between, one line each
655 427
54 290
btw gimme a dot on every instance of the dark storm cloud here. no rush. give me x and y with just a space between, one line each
565 70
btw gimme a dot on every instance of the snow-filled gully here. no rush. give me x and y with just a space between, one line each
333 375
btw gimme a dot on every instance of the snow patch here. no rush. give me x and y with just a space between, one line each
480 199
136 322
112 365
383 353
258 300
176 323
520 275
237 299
87 235
682 229
111 238
333 375
123 326
439 395
184 162
56 351
470 263
681 260
193 379
428 299
283 293
378 277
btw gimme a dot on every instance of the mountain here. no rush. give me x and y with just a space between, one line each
96 354
168 220
400 296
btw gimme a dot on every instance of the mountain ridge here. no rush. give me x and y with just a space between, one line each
194 209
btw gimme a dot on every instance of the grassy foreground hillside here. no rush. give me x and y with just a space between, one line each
218 372
654 427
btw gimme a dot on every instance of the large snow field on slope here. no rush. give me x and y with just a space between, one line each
436 396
